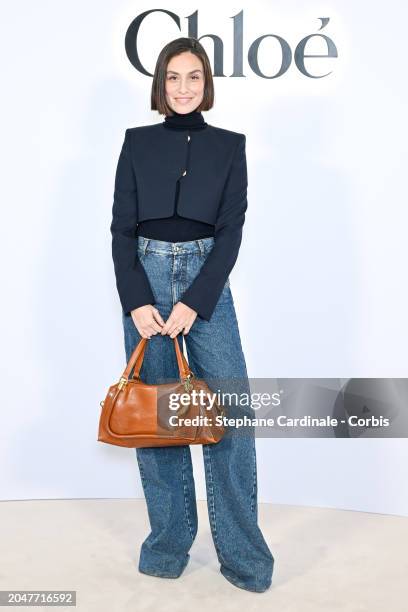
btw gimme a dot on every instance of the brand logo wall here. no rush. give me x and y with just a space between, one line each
238 26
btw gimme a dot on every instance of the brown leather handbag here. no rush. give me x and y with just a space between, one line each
135 414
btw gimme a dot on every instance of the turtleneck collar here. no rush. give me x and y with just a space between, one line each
187 121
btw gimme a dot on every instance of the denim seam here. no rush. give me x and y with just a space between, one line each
169 253
186 500
160 252
142 475
253 494
173 288
210 493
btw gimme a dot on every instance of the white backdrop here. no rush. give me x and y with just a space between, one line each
320 286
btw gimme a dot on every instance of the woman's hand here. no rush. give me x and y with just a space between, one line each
148 320
181 317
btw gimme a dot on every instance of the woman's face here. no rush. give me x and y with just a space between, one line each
184 82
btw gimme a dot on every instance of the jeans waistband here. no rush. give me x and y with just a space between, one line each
161 246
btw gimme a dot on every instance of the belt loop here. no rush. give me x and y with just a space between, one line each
146 242
200 246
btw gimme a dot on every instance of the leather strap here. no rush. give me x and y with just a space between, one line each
138 354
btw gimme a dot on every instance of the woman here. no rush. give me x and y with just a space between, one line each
179 207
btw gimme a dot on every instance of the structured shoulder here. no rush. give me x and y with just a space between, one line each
144 128
228 133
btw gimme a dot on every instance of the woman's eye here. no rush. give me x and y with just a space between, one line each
195 77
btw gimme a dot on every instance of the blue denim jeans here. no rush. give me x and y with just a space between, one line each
213 350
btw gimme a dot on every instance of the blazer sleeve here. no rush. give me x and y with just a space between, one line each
204 292
131 279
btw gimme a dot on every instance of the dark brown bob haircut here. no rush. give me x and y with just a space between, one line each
175 47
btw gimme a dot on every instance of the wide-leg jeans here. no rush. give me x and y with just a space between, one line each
214 351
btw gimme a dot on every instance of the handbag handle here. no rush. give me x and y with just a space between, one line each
184 368
137 357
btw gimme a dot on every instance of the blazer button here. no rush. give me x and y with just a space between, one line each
188 138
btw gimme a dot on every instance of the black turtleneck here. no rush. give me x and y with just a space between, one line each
188 121
176 228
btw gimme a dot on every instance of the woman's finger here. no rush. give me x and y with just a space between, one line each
156 314
175 329
155 326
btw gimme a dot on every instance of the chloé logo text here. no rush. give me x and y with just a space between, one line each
286 55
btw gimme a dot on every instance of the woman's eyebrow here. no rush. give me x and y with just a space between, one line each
191 71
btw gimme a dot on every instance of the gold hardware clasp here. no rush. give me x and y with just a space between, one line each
122 382
187 382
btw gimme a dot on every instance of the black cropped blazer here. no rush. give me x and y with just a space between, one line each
211 164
